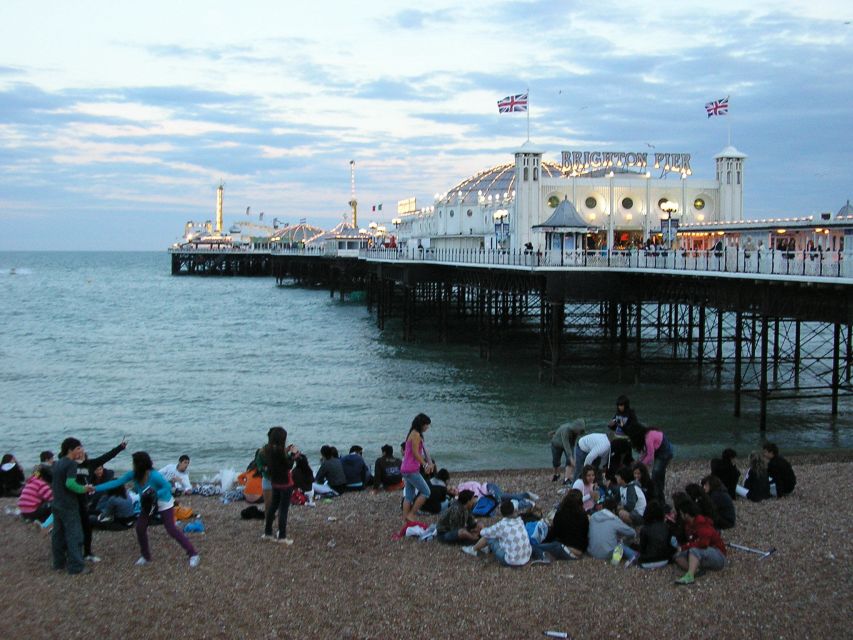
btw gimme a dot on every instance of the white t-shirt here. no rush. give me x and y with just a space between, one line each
178 478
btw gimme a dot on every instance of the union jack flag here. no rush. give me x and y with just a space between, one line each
718 107
513 103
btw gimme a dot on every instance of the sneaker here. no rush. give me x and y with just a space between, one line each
555 477
631 562
685 579
92 558
534 497
470 550
568 552
104 518
142 562
287 541
83 572
542 560
194 560
267 536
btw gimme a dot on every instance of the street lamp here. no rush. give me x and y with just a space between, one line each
669 207
610 220
647 175
501 226
396 222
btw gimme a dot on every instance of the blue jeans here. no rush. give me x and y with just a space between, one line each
524 501
66 540
554 548
662 457
116 507
414 483
497 549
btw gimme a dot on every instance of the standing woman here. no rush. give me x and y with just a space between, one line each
656 452
415 457
147 481
277 458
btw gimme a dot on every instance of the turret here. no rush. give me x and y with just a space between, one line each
528 196
730 179
219 193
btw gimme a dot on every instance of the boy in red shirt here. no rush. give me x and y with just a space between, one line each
704 548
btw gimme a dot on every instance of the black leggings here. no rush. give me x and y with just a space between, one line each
87 527
280 502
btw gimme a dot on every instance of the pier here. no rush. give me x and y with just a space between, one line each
776 327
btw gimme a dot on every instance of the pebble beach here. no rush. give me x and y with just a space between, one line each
345 578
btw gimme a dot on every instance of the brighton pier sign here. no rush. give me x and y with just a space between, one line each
583 161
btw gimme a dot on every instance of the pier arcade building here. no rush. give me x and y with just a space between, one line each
605 199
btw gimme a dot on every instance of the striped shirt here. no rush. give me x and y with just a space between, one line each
34 494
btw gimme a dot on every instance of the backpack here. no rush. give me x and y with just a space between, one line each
297 497
485 506
537 530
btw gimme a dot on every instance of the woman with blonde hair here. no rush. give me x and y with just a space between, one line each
755 485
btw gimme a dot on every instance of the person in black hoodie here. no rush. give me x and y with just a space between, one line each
781 474
11 476
86 476
724 508
724 468
655 547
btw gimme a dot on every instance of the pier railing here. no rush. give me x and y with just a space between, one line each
811 264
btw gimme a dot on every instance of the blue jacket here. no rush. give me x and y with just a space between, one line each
155 481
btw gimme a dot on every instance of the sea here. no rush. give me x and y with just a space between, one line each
103 346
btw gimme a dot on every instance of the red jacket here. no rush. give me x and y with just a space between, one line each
701 534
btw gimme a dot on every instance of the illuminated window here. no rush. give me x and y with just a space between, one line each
553 201
698 204
627 203
590 203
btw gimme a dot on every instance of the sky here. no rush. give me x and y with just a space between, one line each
118 120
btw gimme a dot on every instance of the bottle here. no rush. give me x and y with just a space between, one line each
616 558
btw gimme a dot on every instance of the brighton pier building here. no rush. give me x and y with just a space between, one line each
590 200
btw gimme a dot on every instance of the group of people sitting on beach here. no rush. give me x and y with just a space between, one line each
612 507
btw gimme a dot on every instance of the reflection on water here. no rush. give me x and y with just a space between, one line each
100 344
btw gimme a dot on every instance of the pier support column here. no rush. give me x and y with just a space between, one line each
836 365
796 353
738 375
623 331
700 358
718 363
775 350
558 312
639 337
762 391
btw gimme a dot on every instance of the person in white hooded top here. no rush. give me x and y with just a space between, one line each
591 449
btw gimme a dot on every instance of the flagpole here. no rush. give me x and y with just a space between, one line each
528 114
729 123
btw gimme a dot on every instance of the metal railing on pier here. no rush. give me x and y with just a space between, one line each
810 264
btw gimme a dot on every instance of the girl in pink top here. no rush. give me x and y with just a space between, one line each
415 487
656 452
36 496
588 488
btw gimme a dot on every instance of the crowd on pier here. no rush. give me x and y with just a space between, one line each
611 498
